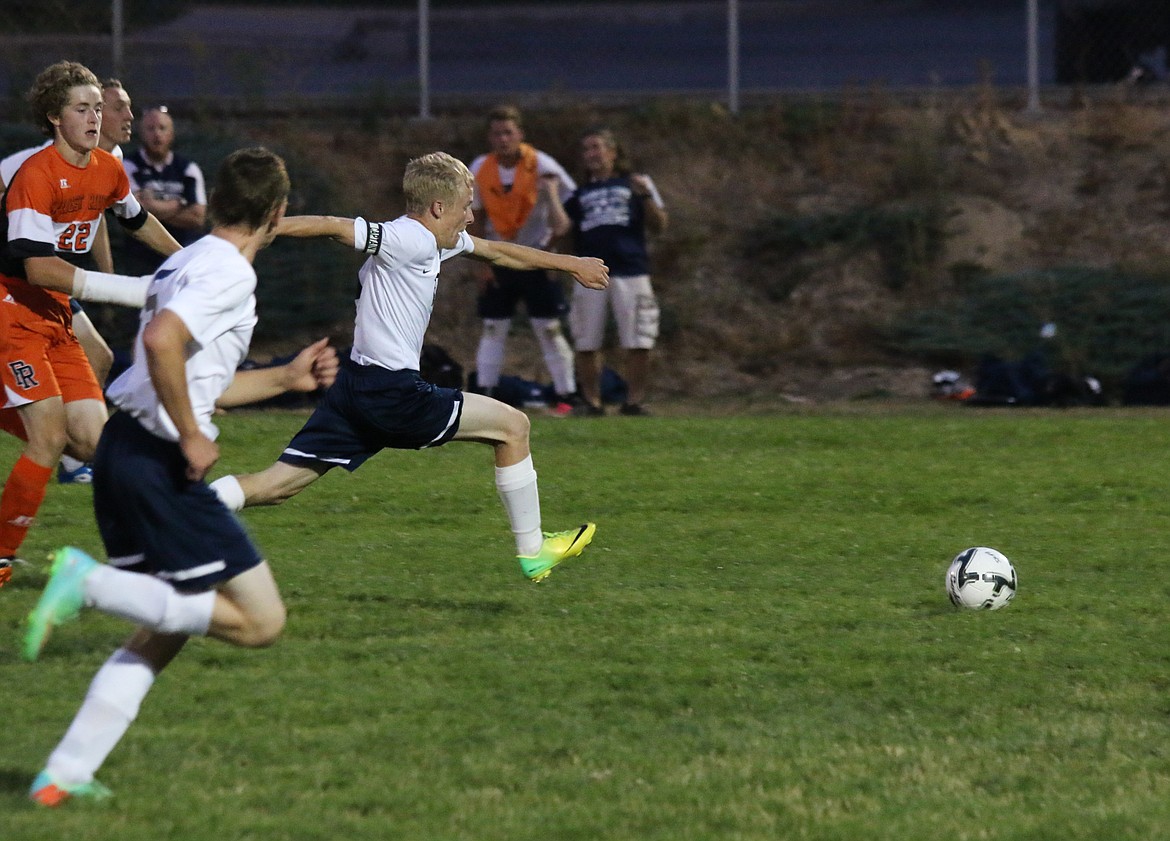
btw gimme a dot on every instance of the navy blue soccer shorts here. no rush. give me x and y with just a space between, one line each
155 520
368 409
543 296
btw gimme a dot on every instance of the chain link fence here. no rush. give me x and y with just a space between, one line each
320 54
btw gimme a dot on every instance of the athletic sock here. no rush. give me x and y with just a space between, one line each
516 484
23 494
145 600
489 356
71 464
558 356
230 493
113 700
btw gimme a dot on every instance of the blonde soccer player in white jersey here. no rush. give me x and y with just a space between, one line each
380 400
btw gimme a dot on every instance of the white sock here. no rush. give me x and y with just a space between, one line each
489 356
517 486
70 463
558 356
228 489
147 601
111 704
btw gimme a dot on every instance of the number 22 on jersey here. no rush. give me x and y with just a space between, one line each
75 237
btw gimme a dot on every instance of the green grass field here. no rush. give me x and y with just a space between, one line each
758 644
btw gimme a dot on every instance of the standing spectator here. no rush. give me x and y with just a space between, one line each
52 210
610 216
181 565
168 185
518 188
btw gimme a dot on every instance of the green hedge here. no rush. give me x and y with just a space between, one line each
1106 320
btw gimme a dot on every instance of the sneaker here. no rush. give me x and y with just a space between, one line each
564 405
47 792
588 410
634 409
81 476
62 599
6 566
558 546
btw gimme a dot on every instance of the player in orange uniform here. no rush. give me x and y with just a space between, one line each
50 216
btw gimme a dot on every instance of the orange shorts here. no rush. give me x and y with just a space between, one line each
41 356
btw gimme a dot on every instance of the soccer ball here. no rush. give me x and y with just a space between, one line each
981 579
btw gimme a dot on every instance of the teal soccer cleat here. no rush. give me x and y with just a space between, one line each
62 599
46 791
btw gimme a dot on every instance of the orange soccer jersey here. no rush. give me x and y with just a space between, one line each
51 208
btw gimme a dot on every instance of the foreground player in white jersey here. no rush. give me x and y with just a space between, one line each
180 563
379 399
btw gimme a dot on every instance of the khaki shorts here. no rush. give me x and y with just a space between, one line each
635 310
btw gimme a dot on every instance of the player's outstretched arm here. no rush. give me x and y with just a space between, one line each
97 287
313 368
588 271
153 234
335 227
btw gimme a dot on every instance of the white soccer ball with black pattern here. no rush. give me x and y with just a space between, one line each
980 578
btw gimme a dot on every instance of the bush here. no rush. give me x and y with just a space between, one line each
1106 320
908 239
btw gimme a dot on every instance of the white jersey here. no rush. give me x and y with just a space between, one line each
536 231
11 164
398 290
211 287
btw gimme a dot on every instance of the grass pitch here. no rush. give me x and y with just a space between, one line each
758 644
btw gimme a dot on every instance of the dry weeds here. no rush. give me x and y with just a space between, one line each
1082 183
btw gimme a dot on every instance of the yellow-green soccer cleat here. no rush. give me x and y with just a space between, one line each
46 791
62 599
558 546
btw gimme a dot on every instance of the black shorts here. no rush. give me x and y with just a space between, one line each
370 408
542 295
154 520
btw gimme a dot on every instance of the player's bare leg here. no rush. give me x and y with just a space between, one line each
101 358
270 486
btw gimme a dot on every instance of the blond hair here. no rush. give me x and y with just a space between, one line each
434 177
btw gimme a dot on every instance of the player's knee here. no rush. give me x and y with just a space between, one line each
264 629
516 425
46 442
82 449
496 329
548 328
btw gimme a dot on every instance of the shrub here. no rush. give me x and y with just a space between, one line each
1106 320
908 239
